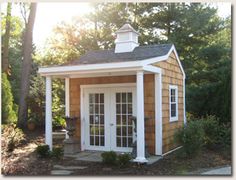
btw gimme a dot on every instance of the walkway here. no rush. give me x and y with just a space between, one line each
219 171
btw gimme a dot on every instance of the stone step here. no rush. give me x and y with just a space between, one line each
61 172
68 167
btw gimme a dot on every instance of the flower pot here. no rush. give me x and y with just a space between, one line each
31 126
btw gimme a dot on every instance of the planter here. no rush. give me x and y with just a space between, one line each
31 126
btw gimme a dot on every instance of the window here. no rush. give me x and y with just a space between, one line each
173 98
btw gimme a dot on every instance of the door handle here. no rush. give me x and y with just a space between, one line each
111 124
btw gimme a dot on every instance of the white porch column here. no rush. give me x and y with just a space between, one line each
48 115
140 119
158 113
67 99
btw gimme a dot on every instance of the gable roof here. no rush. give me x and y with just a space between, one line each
129 62
109 56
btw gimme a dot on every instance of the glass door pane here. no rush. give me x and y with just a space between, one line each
124 125
96 119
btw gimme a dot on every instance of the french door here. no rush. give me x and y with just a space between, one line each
108 125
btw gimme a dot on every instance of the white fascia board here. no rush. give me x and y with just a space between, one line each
177 56
151 68
92 68
154 60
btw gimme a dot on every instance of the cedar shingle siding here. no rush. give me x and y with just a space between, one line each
171 75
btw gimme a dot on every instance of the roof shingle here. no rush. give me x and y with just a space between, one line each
109 56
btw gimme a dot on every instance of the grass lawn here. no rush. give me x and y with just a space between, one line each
24 161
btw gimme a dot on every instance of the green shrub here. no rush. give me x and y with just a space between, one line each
216 135
123 159
13 136
8 113
211 127
57 152
109 158
191 137
224 136
43 151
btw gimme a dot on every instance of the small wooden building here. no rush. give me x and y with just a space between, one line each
105 88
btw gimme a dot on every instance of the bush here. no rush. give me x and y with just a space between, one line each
8 113
109 158
43 151
224 136
13 136
57 152
211 127
191 137
123 159
216 135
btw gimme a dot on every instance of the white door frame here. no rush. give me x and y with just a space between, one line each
103 88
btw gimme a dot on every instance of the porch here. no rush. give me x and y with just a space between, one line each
95 156
139 85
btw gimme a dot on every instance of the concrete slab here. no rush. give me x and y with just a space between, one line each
219 171
153 159
95 156
68 167
91 156
61 172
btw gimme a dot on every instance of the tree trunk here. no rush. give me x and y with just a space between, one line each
26 66
6 37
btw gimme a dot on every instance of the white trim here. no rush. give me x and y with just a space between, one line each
158 114
171 151
154 60
91 68
108 85
48 113
178 60
84 72
140 118
67 99
152 69
127 41
82 119
172 119
67 96
185 121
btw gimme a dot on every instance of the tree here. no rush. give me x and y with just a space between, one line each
8 113
5 60
15 53
26 66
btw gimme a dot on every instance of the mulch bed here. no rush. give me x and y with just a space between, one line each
24 161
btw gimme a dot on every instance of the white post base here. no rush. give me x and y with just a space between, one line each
140 160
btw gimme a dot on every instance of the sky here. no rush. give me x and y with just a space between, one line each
50 14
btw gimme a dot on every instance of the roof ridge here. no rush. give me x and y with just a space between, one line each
154 45
143 46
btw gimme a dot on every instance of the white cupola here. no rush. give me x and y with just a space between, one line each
127 39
